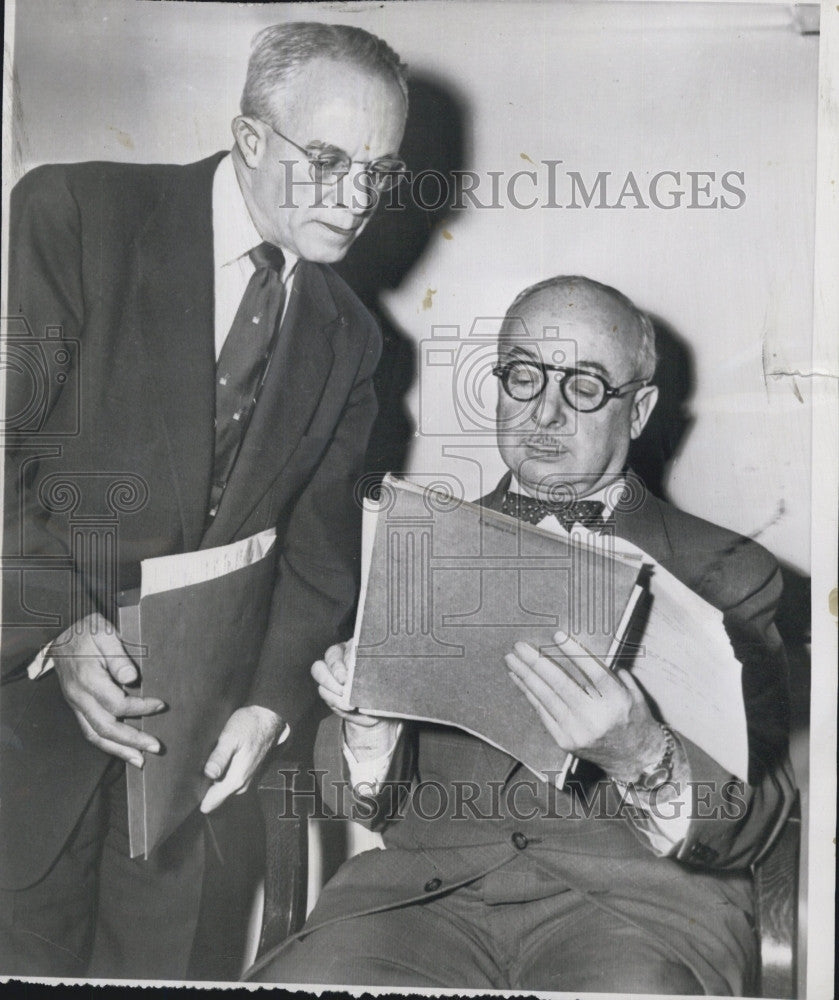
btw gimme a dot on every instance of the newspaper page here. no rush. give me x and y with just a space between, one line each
682 155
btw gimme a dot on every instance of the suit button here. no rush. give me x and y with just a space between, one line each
519 840
432 885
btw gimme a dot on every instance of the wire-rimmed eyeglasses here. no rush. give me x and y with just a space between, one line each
585 391
328 164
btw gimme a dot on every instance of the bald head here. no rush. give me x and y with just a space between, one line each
575 359
564 302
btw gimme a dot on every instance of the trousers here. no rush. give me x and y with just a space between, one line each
99 914
466 940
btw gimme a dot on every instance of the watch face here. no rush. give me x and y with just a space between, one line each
652 779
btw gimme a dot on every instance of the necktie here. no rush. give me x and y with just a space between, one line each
588 513
243 361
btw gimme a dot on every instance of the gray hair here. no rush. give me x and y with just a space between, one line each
280 51
647 357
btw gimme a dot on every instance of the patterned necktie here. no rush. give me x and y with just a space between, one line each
244 359
588 513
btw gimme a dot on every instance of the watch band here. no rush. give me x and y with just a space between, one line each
661 772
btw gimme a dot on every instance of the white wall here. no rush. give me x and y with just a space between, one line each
602 87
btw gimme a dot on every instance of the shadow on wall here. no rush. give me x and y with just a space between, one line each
651 455
391 247
670 422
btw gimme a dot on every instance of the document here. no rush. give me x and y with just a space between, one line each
686 664
449 587
195 630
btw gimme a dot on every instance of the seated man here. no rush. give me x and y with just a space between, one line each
535 892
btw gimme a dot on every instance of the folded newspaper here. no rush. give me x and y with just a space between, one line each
448 587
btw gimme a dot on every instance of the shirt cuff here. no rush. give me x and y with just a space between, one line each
666 833
371 772
41 665
664 824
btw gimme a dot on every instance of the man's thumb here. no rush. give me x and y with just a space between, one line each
631 685
120 665
221 756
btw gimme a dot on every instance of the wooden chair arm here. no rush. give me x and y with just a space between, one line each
286 799
776 910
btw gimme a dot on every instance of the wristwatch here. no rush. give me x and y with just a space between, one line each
658 774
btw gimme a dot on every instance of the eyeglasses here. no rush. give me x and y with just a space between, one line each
328 164
524 380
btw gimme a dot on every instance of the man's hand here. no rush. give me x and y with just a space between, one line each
248 735
589 710
366 736
92 665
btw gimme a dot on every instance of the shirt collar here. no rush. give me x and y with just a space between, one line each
234 233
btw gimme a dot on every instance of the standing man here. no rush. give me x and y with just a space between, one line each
211 359
634 879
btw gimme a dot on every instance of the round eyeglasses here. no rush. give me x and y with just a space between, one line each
524 380
328 165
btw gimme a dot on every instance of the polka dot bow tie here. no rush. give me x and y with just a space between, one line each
588 513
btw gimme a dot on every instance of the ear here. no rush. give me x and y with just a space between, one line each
642 406
251 138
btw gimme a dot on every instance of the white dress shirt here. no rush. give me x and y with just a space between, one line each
234 236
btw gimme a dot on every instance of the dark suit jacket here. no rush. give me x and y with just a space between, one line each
698 903
120 258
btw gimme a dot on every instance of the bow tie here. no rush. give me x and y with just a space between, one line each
588 513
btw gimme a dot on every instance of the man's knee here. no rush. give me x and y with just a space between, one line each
340 956
626 972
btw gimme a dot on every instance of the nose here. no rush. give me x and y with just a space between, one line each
550 408
355 192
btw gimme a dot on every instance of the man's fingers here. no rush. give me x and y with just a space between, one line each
132 706
213 798
112 652
123 670
624 676
107 727
108 746
531 657
531 683
331 698
331 677
549 722
337 705
219 760
543 675
589 669
337 653
235 780
91 680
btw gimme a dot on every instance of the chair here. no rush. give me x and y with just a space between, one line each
776 892
287 798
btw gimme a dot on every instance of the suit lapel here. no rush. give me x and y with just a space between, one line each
643 525
294 385
175 305
494 499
